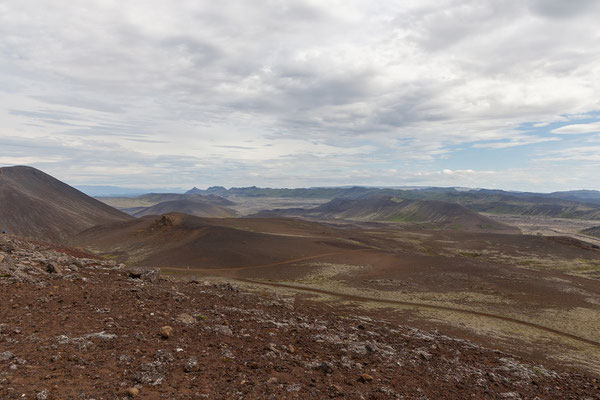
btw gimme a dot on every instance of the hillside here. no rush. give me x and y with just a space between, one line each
594 231
119 333
197 207
37 205
181 240
435 214
138 204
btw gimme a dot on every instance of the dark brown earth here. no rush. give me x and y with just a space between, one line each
488 287
283 249
182 240
35 204
88 328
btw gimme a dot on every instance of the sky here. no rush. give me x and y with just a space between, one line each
475 93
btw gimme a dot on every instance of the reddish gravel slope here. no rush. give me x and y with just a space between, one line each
74 328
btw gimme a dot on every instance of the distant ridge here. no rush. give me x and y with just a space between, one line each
204 206
593 231
436 214
34 204
576 204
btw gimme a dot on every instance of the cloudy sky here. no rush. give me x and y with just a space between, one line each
496 93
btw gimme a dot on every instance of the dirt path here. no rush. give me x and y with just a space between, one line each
373 299
423 305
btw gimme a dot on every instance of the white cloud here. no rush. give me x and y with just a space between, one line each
259 88
577 129
513 142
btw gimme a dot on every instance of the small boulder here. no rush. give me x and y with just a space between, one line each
133 392
186 319
166 332
7 247
364 378
43 395
53 268
145 274
325 367
191 365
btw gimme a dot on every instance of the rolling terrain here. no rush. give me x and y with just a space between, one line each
117 332
196 207
491 287
161 203
37 205
576 204
428 213
181 240
432 265
593 231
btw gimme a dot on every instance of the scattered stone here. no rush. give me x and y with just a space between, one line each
100 335
7 355
291 348
425 355
191 365
186 319
151 373
325 367
166 332
222 329
338 390
7 247
271 347
364 378
53 268
43 395
145 274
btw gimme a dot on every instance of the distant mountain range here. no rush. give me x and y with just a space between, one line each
115 191
580 204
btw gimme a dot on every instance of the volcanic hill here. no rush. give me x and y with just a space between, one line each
182 240
199 207
37 205
432 213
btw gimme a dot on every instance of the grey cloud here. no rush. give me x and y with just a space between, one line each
393 79
563 9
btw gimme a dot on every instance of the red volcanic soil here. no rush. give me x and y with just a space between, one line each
94 329
181 240
35 204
